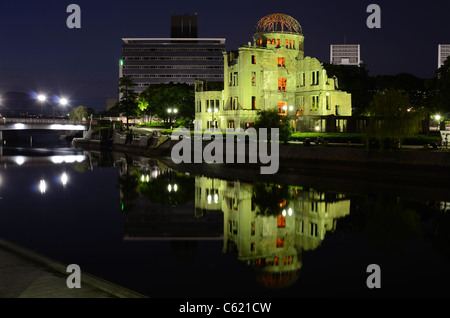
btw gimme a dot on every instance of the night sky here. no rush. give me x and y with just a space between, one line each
39 53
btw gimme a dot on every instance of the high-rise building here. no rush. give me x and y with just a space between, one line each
443 53
180 59
345 54
271 73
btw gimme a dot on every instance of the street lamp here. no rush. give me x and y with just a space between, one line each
212 123
171 111
63 102
42 98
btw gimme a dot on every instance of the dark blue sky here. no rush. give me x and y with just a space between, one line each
39 52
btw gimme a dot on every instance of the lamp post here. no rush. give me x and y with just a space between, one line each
42 98
171 111
63 102
212 122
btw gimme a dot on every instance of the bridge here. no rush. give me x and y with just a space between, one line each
42 124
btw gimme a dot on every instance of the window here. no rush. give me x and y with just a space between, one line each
315 78
282 108
287 43
252 247
231 80
328 102
280 243
231 124
235 103
278 42
253 102
253 59
253 78
314 102
301 80
253 229
281 62
313 230
282 84
235 79
281 221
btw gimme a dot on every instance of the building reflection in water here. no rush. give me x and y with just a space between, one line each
267 225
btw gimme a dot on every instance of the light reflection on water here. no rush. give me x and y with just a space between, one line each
168 233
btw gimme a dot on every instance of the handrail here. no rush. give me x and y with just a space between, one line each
5 120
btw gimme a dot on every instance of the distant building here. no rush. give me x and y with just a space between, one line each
345 54
271 73
443 53
182 58
184 26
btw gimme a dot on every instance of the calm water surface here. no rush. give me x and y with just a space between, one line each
166 233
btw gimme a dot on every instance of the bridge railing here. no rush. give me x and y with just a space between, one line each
5 120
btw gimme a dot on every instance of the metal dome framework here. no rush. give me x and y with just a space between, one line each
278 22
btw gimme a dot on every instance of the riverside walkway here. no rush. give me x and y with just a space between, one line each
26 274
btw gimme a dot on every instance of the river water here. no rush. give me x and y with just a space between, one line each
170 233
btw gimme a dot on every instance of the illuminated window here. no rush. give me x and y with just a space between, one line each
278 42
287 43
281 62
268 41
280 243
282 84
282 108
252 247
253 59
253 78
281 221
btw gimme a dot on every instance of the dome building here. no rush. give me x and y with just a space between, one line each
271 73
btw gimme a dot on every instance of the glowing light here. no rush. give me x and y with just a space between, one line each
290 211
42 186
147 178
67 159
142 178
63 101
169 188
216 198
209 198
317 128
64 179
284 213
175 187
19 160
41 98
438 117
154 174
67 127
19 126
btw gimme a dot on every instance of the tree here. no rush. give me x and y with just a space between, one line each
441 85
79 113
271 119
396 118
158 98
128 104
354 80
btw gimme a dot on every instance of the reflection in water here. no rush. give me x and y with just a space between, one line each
257 229
267 225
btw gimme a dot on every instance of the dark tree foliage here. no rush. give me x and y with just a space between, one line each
128 104
158 98
271 119
440 85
